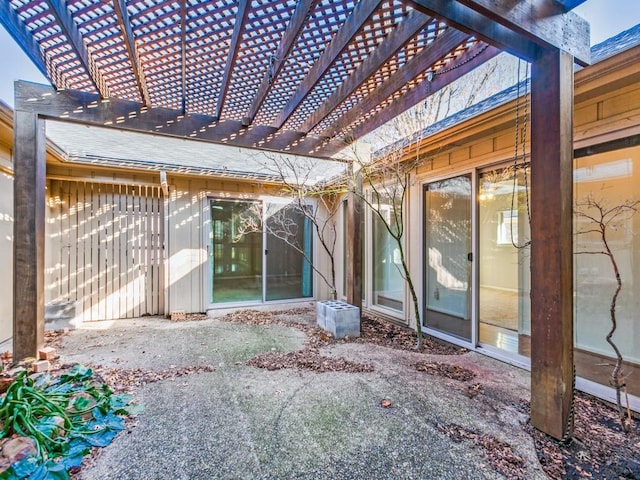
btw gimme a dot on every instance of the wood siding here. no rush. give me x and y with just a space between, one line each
105 248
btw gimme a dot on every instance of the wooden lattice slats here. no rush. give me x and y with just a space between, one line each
208 33
420 41
265 25
370 36
443 62
156 27
57 52
324 21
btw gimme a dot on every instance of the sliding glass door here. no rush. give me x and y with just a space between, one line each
288 250
448 256
504 255
258 252
235 251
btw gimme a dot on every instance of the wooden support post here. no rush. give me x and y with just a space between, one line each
354 247
552 242
29 150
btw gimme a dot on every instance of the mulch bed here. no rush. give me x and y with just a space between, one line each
126 380
599 448
499 454
310 359
446 370
372 330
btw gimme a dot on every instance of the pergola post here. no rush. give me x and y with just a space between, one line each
29 150
552 242
354 247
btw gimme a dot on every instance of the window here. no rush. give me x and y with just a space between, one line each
507 227
606 180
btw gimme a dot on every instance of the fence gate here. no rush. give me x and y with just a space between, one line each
105 248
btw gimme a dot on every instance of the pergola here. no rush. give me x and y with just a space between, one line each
305 77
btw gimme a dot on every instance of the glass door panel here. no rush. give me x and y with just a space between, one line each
448 256
235 251
504 255
387 282
289 249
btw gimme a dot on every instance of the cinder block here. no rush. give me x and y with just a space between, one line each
40 366
47 353
341 319
62 314
321 312
178 315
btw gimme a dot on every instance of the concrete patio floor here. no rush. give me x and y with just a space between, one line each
240 422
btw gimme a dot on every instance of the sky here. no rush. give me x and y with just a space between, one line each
607 18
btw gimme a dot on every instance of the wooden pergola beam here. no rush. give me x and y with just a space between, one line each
353 244
29 162
407 29
352 25
552 243
418 64
124 22
232 56
471 59
298 19
183 56
520 28
68 26
90 109
22 36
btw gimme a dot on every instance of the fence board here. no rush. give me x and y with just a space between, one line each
105 248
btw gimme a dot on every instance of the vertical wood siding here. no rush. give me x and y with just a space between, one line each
105 249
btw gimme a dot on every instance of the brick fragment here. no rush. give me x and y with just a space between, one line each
40 366
47 353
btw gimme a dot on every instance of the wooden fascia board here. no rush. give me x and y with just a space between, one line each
120 7
294 28
72 170
407 29
22 36
70 29
519 27
476 127
612 73
352 25
238 27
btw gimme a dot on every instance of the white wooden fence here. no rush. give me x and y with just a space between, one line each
105 248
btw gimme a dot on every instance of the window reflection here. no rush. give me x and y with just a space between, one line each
504 307
608 179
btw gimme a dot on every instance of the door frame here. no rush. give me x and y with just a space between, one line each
512 358
207 226
424 182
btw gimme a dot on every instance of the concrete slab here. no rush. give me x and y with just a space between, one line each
241 422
